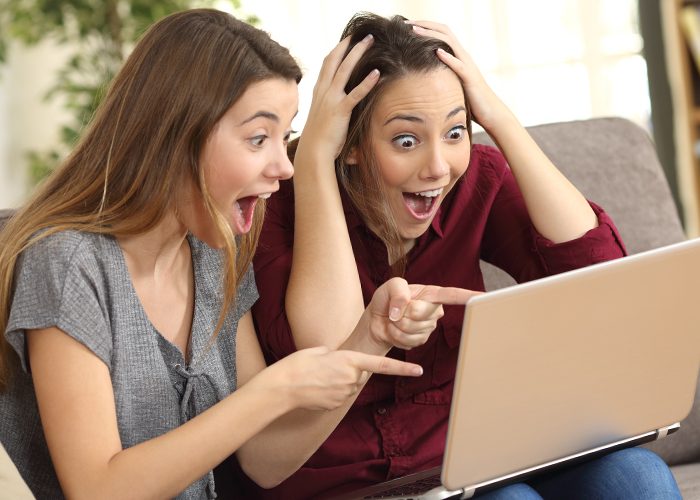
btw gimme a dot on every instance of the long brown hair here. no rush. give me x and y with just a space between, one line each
396 52
144 144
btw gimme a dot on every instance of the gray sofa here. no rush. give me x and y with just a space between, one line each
614 163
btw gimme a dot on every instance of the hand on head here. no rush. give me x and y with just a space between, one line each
404 316
486 107
327 124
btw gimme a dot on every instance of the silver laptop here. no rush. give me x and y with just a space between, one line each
566 368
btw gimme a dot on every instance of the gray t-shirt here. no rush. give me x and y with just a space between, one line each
79 283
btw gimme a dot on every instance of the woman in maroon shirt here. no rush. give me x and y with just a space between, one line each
410 196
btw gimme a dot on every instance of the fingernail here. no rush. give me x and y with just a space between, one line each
418 370
441 51
368 38
374 73
395 314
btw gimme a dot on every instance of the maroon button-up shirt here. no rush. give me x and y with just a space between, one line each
398 425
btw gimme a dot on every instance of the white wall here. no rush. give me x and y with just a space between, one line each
27 121
549 60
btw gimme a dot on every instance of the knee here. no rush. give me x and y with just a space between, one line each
641 473
517 491
635 460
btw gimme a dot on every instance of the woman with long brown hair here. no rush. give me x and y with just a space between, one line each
389 185
130 365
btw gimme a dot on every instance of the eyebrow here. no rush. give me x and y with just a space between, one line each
412 118
261 114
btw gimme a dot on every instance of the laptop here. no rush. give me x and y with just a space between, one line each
566 368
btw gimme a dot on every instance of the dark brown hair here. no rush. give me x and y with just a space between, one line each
144 144
396 52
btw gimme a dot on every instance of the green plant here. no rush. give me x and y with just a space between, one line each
99 34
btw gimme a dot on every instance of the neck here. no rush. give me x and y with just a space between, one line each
194 215
407 243
157 250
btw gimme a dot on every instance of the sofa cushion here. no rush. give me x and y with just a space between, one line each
688 479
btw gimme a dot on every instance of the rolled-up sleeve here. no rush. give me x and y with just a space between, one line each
599 244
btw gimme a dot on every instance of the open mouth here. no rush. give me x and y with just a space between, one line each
423 204
243 210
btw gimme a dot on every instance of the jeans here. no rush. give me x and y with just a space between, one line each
632 473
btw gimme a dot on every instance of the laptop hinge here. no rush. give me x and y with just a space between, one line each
468 493
665 431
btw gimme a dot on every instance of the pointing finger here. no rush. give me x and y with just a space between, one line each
446 295
384 365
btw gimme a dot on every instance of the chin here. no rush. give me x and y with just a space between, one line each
414 232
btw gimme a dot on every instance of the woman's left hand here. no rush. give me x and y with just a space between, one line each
487 109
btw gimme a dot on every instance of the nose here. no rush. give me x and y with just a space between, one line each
280 167
436 166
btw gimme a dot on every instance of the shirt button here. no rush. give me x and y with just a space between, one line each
381 411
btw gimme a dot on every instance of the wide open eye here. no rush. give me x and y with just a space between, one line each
405 141
258 140
456 134
288 135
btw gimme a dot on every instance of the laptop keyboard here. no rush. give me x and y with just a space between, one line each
415 488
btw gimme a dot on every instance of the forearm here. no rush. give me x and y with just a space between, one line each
164 466
324 296
285 445
557 209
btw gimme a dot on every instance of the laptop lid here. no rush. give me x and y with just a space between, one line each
563 365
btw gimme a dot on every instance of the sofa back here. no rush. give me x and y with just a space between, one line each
614 163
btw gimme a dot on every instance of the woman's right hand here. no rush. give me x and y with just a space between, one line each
399 315
327 124
319 378
402 315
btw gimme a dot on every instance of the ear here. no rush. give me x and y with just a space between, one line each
351 158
